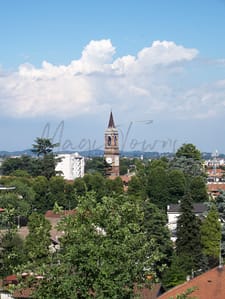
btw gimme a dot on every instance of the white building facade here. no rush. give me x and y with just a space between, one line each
71 166
173 213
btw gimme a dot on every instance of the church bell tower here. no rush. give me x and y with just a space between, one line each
111 152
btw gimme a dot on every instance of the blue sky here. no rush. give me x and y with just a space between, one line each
158 64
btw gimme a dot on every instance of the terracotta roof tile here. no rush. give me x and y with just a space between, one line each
51 214
215 187
210 285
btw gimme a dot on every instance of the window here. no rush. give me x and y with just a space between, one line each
109 140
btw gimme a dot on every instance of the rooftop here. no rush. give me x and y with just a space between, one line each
198 208
209 285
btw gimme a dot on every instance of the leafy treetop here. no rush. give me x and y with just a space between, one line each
43 146
188 150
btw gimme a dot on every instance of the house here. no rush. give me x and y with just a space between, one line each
209 285
215 174
24 293
173 212
215 188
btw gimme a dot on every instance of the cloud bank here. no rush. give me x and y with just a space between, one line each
153 81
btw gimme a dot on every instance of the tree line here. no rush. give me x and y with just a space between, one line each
116 238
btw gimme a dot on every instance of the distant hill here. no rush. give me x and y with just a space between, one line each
91 153
26 152
100 153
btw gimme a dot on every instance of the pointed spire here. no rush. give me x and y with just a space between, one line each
111 121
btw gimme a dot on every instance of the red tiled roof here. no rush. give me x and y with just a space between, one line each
2 210
210 285
19 293
215 187
10 278
125 178
51 214
215 172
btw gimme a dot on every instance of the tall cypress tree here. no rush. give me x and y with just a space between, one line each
211 236
220 204
157 233
188 242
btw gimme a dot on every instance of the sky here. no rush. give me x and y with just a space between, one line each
158 65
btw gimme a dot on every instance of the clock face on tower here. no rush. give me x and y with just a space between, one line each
109 160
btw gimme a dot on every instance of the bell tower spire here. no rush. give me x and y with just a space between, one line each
111 152
111 121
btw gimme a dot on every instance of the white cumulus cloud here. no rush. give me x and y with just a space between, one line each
153 80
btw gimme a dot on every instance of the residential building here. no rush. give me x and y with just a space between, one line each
71 166
173 213
214 189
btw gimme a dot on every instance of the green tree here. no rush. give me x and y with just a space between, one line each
114 186
56 189
47 161
43 146
125 165
47 165
211 236
20 173
41 189
23 188
80 186
198 189
10 165
188 160
162 162
188 243
157 189
11 253
176 185
104 251
188 151
95 164
176 273
220 204
70 196
14 207
38 241
97 183
136 188
158 233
